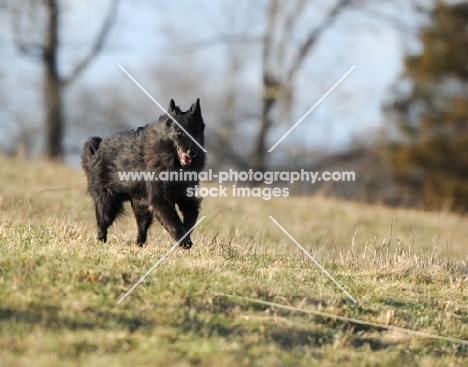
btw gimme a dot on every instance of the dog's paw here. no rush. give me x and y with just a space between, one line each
186 244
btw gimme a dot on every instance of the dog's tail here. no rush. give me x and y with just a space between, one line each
89 150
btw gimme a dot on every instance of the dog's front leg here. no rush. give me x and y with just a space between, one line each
190 208
166 214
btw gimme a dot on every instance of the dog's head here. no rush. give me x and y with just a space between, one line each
187 134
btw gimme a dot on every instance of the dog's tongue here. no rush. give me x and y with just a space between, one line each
186 160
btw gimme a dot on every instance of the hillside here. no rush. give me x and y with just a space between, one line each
59 287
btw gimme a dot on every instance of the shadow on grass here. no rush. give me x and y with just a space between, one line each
53 318
295 337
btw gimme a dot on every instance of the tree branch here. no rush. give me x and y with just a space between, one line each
288 27
272 14
222 39
314 35
391 20
34 50
98 43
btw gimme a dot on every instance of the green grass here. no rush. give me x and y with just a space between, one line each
59 287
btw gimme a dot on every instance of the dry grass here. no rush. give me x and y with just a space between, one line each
59 287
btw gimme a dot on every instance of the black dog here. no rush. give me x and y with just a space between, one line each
162 146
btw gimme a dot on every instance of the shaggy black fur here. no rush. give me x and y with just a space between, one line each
157 147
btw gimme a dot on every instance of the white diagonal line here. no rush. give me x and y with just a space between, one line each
348 319
161 107
161 260
311 257
313 107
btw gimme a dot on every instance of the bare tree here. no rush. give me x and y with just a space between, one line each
279 71
42 17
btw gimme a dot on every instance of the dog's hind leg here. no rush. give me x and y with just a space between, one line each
144 218
107 209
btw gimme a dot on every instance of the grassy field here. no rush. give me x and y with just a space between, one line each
59 287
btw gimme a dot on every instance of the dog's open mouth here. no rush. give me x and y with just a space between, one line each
185 159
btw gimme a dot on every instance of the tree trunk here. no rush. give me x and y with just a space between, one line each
270 90
270 86
54 84
54 118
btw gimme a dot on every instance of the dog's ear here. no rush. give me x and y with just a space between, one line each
195 110
172 106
